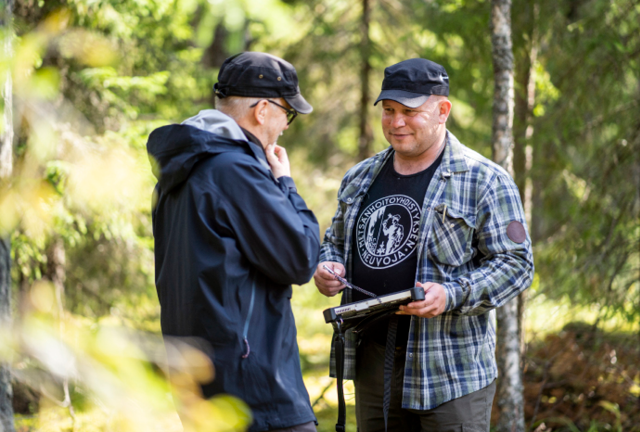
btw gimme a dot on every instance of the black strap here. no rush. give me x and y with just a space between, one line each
389 354
342 409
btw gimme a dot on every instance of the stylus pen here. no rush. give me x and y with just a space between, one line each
345 282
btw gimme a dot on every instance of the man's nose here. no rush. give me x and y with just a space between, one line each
398 120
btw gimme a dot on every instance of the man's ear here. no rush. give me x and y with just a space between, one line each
260 112
444 108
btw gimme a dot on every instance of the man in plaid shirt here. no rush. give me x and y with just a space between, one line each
429 212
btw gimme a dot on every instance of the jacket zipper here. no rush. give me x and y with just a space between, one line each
246 323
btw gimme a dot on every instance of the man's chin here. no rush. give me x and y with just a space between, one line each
400 145
275 140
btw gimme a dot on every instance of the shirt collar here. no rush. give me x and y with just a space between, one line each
453 160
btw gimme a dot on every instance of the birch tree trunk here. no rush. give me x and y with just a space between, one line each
509 393
365 139
6 168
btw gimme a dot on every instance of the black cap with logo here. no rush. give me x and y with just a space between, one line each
256 74
412 81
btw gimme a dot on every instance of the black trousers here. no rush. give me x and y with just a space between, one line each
468 413
305 427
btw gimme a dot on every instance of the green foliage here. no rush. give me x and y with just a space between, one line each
586 147
92 79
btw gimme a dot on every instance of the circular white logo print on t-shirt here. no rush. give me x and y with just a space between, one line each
387 231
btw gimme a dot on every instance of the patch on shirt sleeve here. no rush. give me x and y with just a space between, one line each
516 232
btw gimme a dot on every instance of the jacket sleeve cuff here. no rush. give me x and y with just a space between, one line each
287 184
455 295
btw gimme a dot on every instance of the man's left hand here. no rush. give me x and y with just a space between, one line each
435 300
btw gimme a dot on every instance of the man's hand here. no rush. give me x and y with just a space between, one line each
435 300
279 161
325 281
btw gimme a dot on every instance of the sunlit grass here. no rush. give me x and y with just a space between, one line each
544 316
56 419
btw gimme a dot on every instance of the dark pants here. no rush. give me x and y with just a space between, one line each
305 427
467 413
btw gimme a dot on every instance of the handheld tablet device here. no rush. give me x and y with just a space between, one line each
364 308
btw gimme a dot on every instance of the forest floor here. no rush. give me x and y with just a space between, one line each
577 378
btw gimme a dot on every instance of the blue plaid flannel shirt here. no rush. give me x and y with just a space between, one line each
463 246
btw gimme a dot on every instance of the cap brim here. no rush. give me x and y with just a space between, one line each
411 100
299 104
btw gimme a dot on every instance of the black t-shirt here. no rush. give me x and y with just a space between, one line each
385 240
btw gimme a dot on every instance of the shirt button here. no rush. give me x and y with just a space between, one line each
428 208
349 200
410 355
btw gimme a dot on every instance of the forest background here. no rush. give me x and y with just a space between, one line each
92 79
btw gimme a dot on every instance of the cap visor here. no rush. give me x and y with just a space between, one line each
411 100
298 103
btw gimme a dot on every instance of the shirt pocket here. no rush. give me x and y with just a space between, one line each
451 236
348 198
349 194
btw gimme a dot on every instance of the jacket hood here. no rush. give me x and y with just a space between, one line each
175 149
217 123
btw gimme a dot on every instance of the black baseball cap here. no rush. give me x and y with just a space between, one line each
256 74
412 81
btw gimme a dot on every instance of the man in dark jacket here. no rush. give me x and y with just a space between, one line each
232 235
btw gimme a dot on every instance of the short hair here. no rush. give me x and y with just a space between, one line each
235 106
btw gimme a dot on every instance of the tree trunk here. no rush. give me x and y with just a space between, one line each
57 274
6 391
6 168
6 139
524 104
365 140
523 131
509 394
216 53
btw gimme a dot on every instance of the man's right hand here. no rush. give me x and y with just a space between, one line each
278 160
325 281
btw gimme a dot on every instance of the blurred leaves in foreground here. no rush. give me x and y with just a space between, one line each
128 376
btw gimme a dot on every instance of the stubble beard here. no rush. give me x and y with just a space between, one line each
275 141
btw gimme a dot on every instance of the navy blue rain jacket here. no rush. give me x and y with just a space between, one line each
230 240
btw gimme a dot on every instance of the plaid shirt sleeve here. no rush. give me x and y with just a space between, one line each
332 248
507 266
